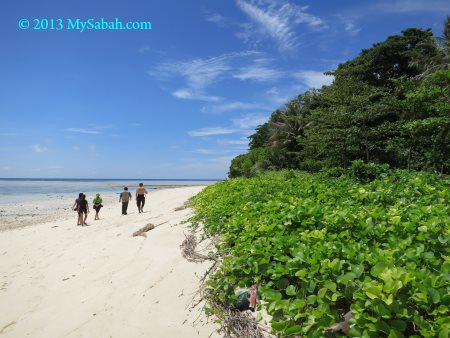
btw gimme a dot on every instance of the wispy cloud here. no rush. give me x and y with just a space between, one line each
243 125
250 121
212 131
351 28
259 71
232 106
218 19
189 94
276 19
241 142
314 79
37 148
198 74
83 131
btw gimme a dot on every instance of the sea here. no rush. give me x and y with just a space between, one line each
13 190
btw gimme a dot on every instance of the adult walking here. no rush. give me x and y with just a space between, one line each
125 197
75 206
140 197
97 205
83 210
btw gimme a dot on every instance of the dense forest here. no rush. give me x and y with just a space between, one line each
389 105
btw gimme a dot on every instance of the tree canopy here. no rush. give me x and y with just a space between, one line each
390 105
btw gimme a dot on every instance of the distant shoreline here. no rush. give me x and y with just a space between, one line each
110 179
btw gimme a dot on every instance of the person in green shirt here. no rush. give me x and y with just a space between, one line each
97 205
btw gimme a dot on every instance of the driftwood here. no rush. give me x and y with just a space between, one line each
342 326
148 227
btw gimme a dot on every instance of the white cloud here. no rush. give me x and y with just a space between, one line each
259 71
250 121
314 79
83 131
212 131
76 148
232 106
37 148
199 74
92 148
352 29
276 19
241 142
218 19
188 94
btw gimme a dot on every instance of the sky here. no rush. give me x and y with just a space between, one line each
178 100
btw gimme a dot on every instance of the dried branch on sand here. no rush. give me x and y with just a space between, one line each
188 250
148 227
233 323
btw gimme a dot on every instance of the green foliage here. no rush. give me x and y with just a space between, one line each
250 164
319 246
260 138
368 171
390 104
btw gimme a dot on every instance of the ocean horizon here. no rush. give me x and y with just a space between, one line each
104 179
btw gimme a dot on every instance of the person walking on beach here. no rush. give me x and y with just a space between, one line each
140 197
83 210
125 197
97 205
75 205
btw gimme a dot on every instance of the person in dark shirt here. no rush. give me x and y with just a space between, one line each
75 205
83 210
125 197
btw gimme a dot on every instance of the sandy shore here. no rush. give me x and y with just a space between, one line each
61 280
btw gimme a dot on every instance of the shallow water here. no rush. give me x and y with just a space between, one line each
22 190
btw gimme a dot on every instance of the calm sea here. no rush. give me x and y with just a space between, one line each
17 190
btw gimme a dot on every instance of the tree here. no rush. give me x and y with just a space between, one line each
440 60
390 59
261 137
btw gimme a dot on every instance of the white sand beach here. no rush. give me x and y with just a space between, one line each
58 279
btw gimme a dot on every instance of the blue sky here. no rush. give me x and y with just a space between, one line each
177 101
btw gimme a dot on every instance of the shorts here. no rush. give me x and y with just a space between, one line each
97 207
